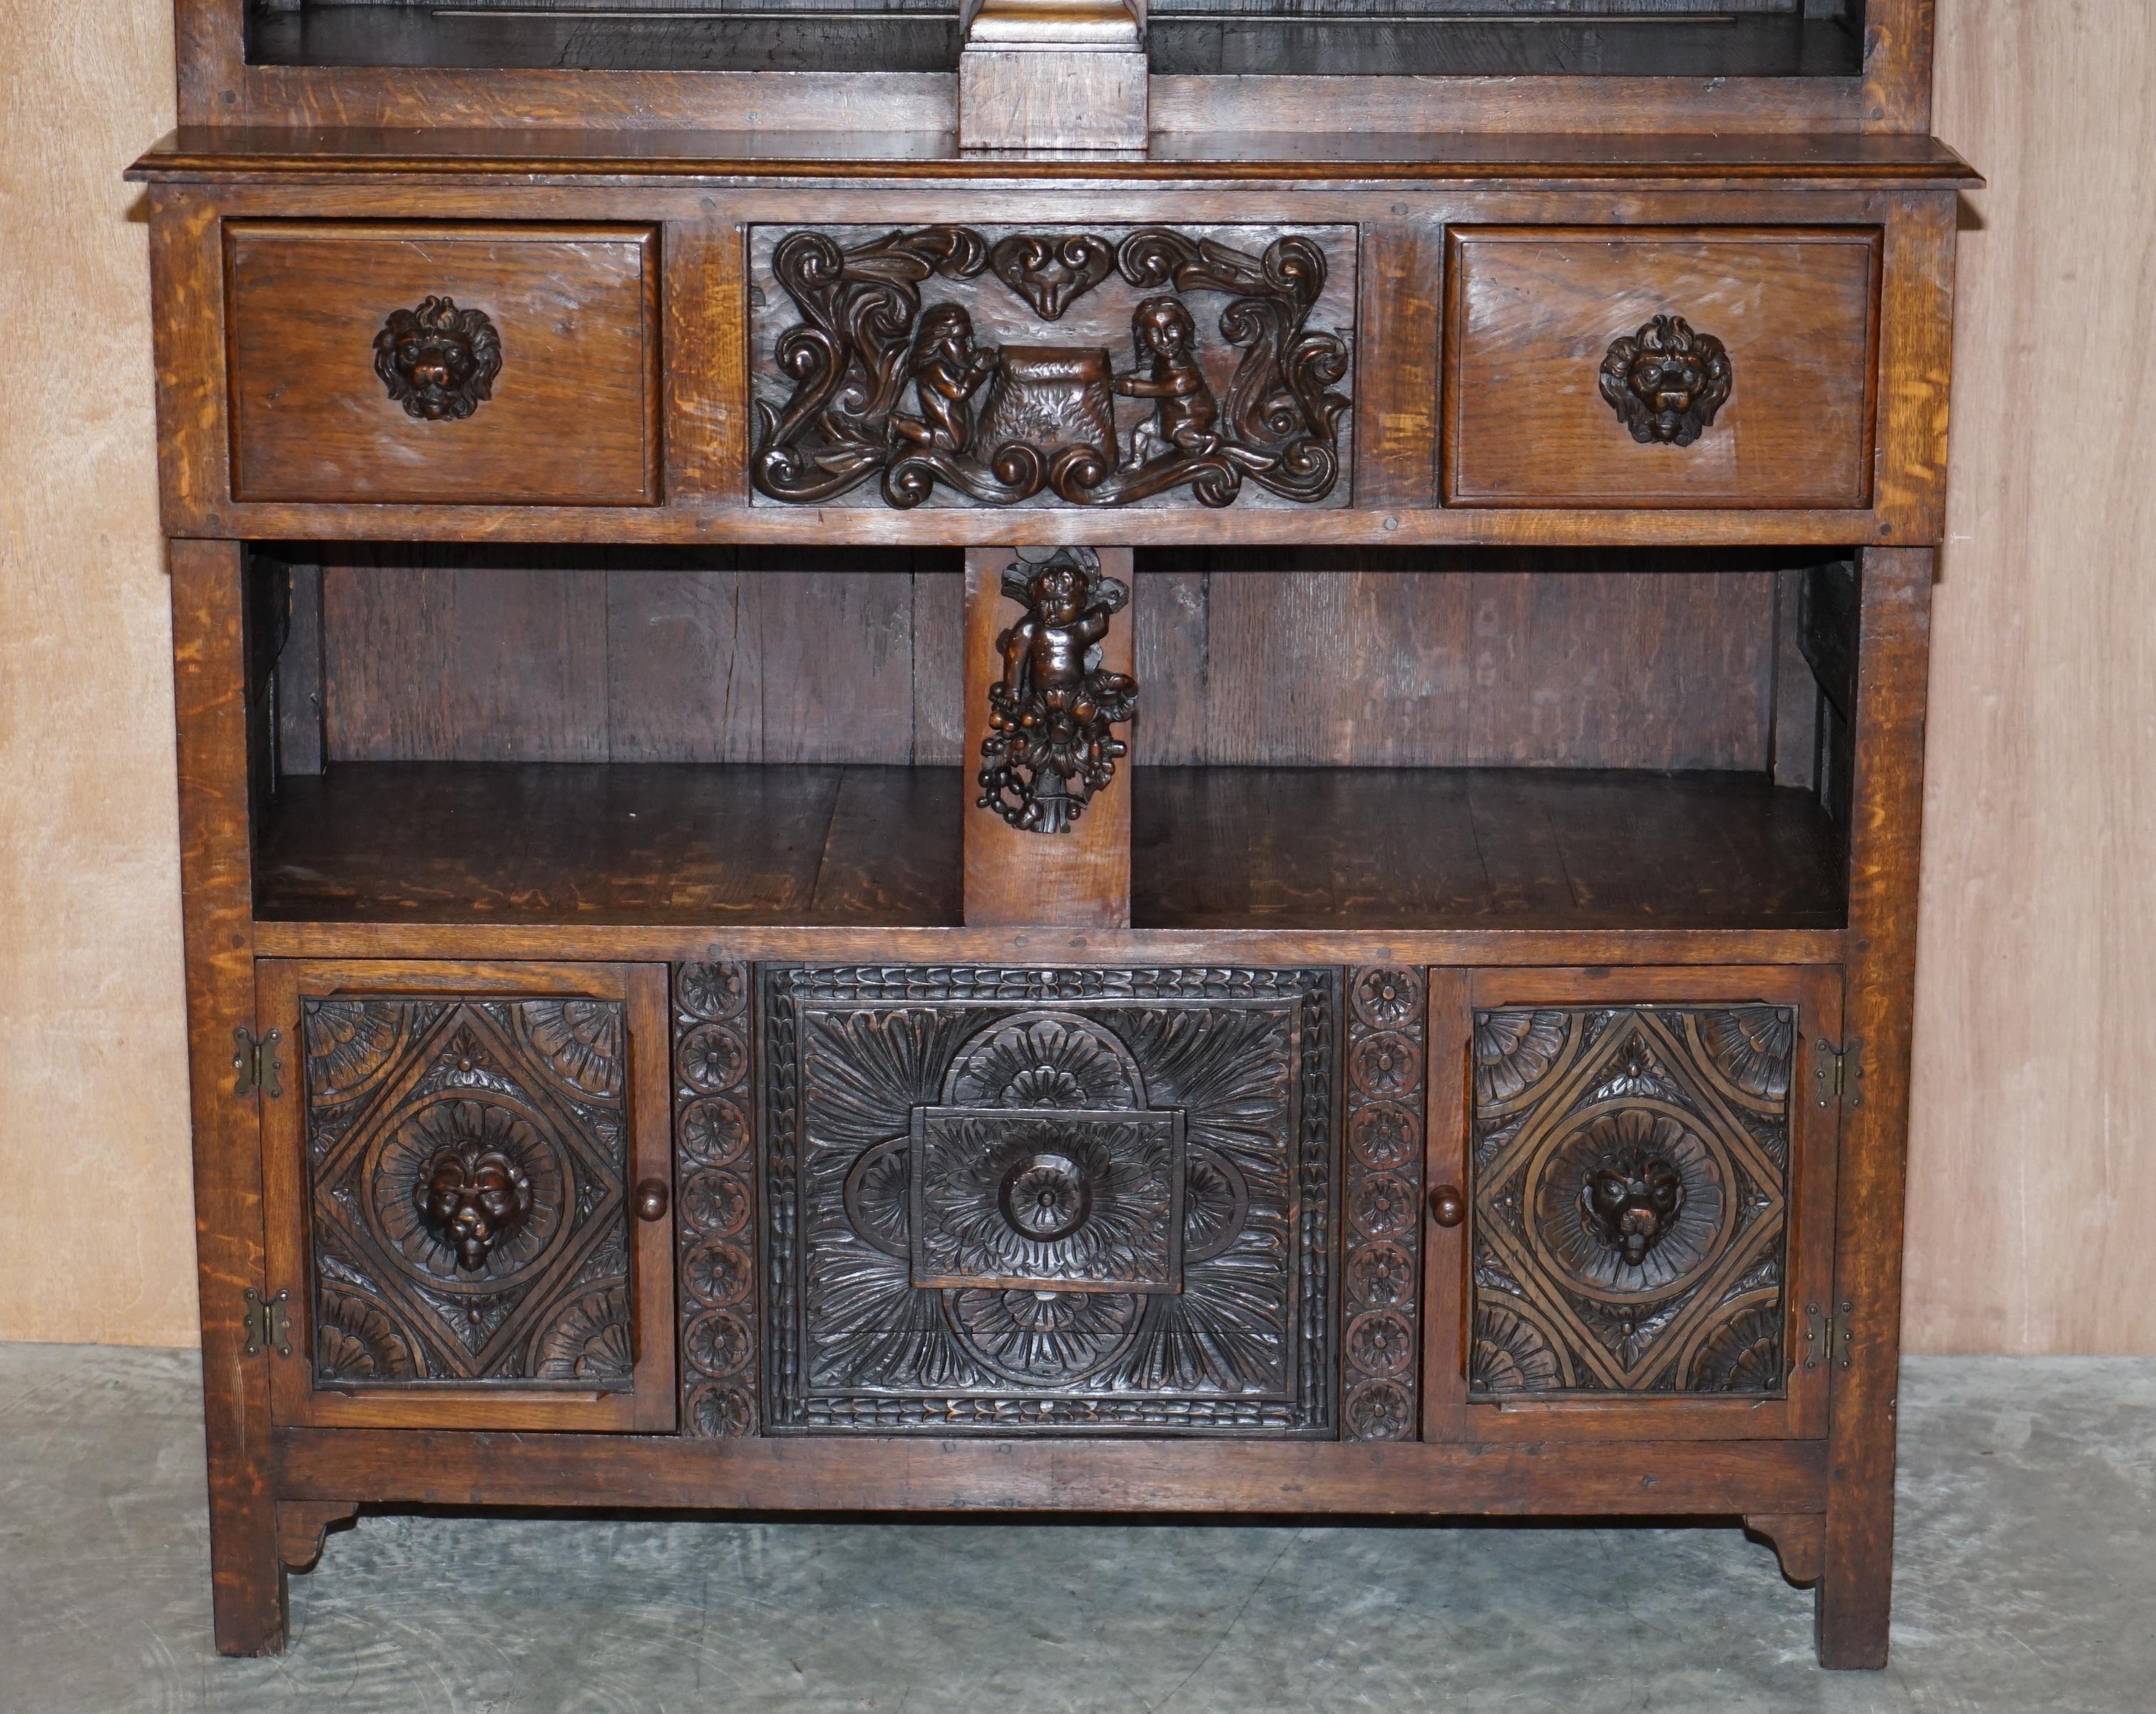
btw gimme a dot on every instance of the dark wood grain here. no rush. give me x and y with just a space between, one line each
1219 847
576 313
1260 153
1264 1478
511 843
1595 659
1215 849
1534 313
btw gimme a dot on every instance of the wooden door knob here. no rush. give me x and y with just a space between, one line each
651 1199
1447 1206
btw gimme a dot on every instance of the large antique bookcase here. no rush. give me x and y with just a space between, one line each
1025 758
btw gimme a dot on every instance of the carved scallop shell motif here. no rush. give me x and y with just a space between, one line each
1752 1047
590 1341
1513 1051
1036 1336
579 1040
1042 1060
1511 1354
1742 1355
356 1340
350 1044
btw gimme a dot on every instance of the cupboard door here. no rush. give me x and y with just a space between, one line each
468 1195
1639 1233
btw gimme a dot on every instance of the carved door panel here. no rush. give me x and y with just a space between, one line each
1635 1202
467 1193
1049 1201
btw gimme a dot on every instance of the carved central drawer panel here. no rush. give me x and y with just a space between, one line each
1106 366
1654 366
1002 1199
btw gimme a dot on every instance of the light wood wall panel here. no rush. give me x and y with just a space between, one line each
2033 1191
2035 1153
95 1243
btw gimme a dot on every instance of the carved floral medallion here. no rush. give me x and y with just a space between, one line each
1069 1199
1129 365
466 1159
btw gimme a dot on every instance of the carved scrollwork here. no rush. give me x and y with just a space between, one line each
438 362
1630 1199
1051 745
1665 382
1004 423
991 1212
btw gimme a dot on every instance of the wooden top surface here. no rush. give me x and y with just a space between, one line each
194 152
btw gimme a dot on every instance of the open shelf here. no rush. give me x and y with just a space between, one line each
1215 848
551 843
1479 848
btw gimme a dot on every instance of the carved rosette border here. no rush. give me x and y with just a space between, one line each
715 1202
1381 1338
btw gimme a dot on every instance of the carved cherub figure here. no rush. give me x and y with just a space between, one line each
947 370
1169 371
1049 746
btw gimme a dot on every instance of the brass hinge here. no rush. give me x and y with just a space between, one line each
1827 1336
255 1064
1841 1071
269 1324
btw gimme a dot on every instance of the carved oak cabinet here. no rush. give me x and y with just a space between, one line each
1104 758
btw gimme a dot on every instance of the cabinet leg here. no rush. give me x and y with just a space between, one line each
246 1575
1856 1590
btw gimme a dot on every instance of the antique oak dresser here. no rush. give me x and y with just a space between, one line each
1035 757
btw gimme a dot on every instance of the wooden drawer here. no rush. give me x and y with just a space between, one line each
1758 344
481 364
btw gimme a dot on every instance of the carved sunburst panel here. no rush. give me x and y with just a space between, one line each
1630 1199
1105 1211
467 1160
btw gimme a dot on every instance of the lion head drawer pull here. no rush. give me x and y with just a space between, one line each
438 362
1666 382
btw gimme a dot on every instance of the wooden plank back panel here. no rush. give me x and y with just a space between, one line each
1252 656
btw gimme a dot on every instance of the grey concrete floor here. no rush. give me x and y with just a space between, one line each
2028 1582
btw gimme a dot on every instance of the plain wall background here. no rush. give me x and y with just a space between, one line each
2033 1149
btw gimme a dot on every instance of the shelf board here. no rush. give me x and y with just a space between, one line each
514 845
1480 848
524 842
